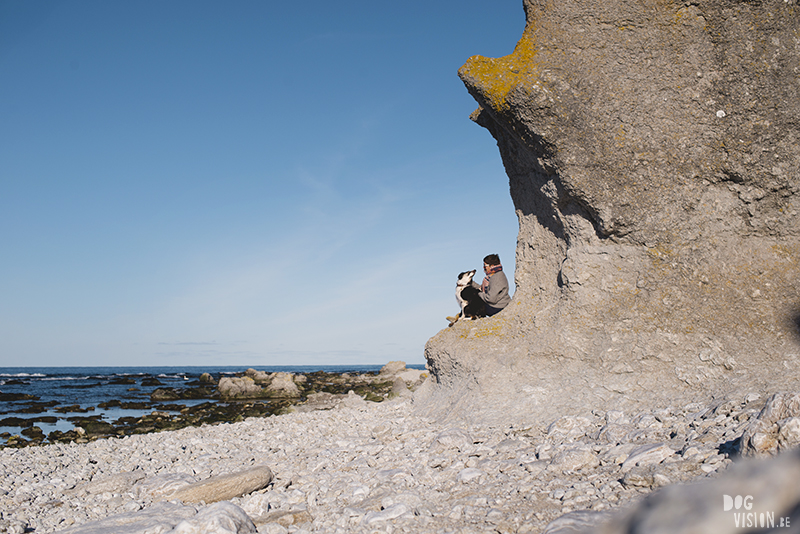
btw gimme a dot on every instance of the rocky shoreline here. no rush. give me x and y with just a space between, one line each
228 399
343 464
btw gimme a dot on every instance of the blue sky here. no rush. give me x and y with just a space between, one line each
242 183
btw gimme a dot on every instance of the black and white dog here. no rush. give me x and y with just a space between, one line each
468 298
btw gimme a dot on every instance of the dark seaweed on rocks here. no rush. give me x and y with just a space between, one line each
11 397
74 408
26 422
151 381
38 407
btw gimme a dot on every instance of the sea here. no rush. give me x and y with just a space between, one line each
82 389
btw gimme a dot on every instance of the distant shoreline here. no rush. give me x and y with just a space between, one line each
51 404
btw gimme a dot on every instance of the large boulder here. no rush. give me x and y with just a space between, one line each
403 377
653 156
393 368
283 386
258 376
239 388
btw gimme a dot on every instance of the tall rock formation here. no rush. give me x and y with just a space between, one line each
653 155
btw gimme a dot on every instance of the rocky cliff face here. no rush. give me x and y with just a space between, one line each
653 155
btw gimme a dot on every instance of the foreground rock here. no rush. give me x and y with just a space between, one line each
221 518
752 496
364 467
776 429
653 160
224 487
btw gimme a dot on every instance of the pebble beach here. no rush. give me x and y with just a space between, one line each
368 467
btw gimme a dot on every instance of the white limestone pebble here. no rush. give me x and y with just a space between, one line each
647 455
469 474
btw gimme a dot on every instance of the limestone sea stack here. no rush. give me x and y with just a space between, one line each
653 155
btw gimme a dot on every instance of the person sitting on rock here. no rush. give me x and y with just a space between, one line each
494 289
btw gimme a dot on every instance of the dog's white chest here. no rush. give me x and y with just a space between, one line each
461 302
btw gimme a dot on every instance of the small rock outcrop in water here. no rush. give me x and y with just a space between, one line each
653 156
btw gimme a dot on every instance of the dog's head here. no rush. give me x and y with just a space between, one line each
465 279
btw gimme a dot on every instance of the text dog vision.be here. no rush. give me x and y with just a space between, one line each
750 519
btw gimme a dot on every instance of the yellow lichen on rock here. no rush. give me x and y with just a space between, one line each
493 327
495 78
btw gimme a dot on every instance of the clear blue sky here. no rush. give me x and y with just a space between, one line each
244 182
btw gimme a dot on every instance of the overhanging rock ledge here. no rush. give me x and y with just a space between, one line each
653 155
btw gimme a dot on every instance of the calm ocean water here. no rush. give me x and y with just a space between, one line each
86 387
